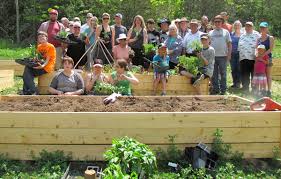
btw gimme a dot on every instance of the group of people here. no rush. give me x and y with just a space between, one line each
93 44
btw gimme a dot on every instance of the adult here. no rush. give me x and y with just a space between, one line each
48 52
164 26
65 22
137 36
226 25
88 22
91 36
183 30
106 34
76 19
71 29
153 36
246 47
174 46
122 78
191 38
95 77
234 62
177 23
67 82
118 27
52 27
121 51
76 50
221 42
204 23
268 41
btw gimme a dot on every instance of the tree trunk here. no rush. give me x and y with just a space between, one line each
17 21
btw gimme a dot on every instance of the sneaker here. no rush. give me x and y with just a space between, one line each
268 94
198 81
222 93
163 94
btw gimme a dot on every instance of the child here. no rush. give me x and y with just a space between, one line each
161 66
208 58
48 52
259 81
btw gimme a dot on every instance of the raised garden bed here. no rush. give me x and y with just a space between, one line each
177 85
88 134
12 65
6 79
276 69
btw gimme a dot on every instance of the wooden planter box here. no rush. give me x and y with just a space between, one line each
88 134
177 85
12 65
6 79
276 69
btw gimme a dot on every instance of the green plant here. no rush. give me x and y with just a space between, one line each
136 69
62 34
196 46
132 156
115 171
107 68
149 48
191 64
172 154
107 89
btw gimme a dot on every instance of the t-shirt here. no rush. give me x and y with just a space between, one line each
48 50
91 34
124 84
121 53
209 54
260 66
65 83
162 62
219 41
119 30
52 31
247 45
76 51
153 37
227 27
174 44
189 39
163 36
235 40
84 27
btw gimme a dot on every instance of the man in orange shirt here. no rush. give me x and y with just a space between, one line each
226 25
48 52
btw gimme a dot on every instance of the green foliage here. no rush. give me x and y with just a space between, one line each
107 68
107 89
136 69
62 34
191 64
115 171
149 48
196 46
49 165
132 157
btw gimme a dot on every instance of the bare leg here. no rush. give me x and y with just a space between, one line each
187 74
269 77
164 85
155 84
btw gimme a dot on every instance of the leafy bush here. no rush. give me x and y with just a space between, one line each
149 48
107 89
191 64
132 157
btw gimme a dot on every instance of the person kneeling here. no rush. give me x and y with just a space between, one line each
161 67
95 77
48 52
208 58
67 82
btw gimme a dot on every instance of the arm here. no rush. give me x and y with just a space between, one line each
271 39
145 37
54 91
90 80
114 52
98 31
80 86
229 46
54 85
132 79
41 66
113 37
129 36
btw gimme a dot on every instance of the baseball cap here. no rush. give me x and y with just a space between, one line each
204 36
98 63
249 23
89 15
119 15
53 11
263 24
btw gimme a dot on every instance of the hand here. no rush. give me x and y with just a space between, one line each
60 93
123 77
170 52
40 66
228 57
199 54
68 93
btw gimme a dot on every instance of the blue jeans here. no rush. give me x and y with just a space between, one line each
235 69
28 79
219 86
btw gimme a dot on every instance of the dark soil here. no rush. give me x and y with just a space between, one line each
123 104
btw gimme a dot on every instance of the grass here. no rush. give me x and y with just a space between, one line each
8 50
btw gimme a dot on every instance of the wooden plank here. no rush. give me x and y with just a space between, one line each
149 136
95 152
278 78
12 65
7 73
6 79
155 120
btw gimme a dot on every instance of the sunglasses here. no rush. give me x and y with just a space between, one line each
76 27
105 18
217 21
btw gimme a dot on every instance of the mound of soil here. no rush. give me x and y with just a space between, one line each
123 104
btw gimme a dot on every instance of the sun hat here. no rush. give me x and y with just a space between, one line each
183 19
261 46
194 21
263 24
219 17
204 36
121 36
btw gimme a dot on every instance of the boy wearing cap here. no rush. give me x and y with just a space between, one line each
119 28
153 36
48 52
52 27
208 58
164 26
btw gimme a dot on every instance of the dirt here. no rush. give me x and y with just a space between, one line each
123 104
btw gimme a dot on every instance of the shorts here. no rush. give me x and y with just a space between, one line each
160 75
